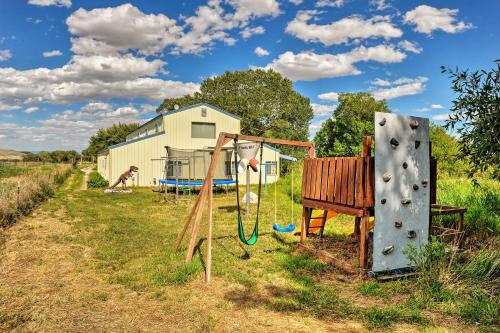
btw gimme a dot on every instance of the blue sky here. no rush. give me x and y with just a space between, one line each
69 67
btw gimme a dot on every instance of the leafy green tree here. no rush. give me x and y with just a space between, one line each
342 135
265 100
446 151
108 136
476 117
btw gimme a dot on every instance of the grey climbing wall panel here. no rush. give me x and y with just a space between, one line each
402 195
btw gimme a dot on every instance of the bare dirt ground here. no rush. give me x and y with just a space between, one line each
47 285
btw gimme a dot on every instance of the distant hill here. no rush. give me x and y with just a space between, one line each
10 155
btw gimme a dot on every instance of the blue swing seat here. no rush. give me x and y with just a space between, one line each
290 228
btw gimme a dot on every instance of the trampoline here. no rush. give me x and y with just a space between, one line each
173 182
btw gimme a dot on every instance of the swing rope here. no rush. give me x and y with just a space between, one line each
241 232
276 227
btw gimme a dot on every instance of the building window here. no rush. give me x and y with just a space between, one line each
271 168
203 112
230 168
203 130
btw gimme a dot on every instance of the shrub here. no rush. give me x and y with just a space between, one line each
96 180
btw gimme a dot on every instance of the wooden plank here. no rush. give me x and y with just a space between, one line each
312 179
350 187
331 180
186 224
317 186
332 207
304 177
369 193
324 179
359 182
363 241
208 269
338 180
387 278
329 259
345 180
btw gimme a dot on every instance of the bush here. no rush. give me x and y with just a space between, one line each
96 180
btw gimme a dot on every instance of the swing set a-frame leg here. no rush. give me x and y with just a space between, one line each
192 212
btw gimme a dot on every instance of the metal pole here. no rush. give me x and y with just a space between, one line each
248 192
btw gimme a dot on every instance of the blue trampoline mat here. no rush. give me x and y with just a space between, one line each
195 182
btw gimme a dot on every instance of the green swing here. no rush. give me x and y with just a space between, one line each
241 233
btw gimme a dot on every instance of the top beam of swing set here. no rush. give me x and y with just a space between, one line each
206 191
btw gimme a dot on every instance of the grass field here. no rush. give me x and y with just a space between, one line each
90 261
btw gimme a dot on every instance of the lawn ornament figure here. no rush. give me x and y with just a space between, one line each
124 176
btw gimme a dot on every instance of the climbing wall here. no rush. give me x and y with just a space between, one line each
402 196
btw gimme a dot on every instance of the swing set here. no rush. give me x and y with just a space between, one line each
206 196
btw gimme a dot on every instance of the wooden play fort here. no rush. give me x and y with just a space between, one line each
343 185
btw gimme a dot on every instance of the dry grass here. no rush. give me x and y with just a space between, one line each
86 261
21 193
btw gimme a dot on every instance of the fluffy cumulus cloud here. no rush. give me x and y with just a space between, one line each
5 55
323 109
329 96
296 2
342 31
437 106
426 19
54 53
45 3
91 77
31 109
311 66
440 117
410 46
75 126
261 52
119 29
400 87
125 27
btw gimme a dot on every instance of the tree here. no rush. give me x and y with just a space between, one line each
265 100
108 136
446 151
476 117
342 135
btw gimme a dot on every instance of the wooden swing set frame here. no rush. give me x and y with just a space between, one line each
206 193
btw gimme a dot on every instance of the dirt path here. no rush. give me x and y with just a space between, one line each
87 171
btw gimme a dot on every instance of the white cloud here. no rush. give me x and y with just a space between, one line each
330 96
380 82
426 19
311 66
54 53
437 106
440 117
94 106
401 87
261 52
323 109
248 32
410 46
8 107
45 3
31 109
296 2
91 77
315 125
380 4
33 20
329 3
5 55
343 31
119 29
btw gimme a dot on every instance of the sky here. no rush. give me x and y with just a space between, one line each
70 67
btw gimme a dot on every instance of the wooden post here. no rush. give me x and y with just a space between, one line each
193 210
363 241
208 270
196 224
303 225
357 232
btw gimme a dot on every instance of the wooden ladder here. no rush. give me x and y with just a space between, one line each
312 227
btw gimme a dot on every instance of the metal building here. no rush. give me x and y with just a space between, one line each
193 127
